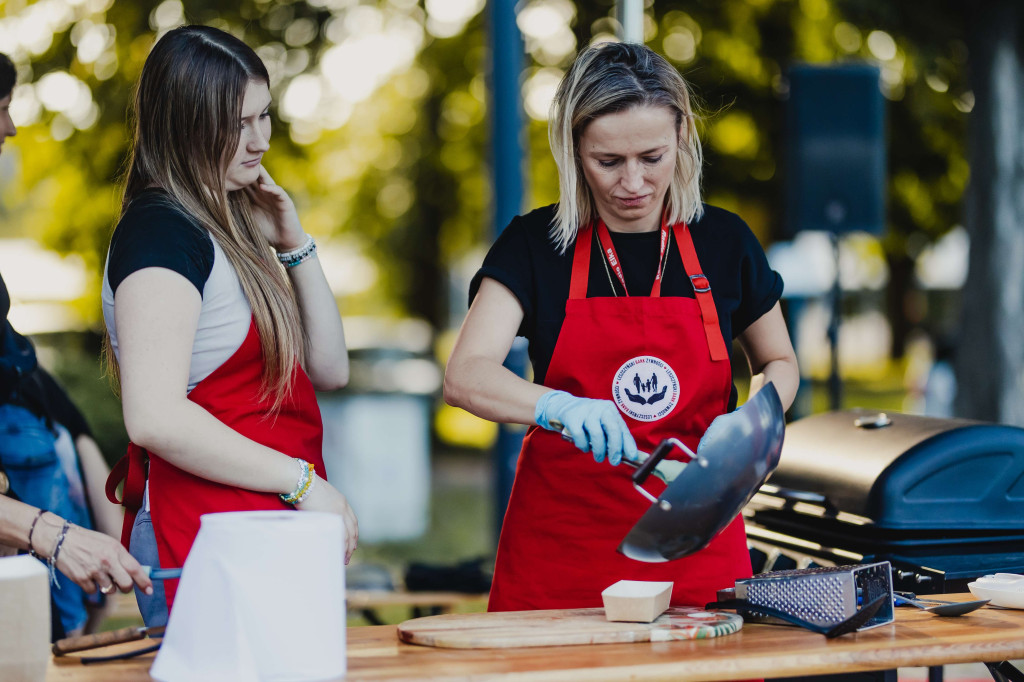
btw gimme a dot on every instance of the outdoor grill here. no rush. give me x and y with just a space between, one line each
941 499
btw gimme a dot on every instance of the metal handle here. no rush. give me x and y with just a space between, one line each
645 469
875 421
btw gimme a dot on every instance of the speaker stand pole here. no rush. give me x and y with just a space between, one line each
835 384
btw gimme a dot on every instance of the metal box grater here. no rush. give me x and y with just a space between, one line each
825 596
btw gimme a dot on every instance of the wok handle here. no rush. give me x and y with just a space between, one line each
645 469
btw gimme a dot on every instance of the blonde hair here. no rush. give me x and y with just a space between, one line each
187 126
605 79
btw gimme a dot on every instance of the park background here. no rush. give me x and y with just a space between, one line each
382 125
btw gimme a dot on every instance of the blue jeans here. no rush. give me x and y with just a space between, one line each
29 454
143 547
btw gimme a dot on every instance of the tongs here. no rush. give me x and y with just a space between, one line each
652 464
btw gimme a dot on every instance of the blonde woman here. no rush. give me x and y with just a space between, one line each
630 291
218 312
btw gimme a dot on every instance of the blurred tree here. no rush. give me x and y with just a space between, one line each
382 111
990 363
736 53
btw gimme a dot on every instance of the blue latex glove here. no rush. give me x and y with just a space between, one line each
594 425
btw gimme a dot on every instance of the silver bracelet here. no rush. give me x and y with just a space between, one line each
52 561
300 255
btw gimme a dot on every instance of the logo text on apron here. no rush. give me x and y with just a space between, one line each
645 388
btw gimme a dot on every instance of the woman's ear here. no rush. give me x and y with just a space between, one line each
684 130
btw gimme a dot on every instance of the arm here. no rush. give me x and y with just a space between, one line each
326 353
155 353
477 381
475 378
770 354
107 516
91 559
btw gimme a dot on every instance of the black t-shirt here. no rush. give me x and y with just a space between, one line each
525 259
154 233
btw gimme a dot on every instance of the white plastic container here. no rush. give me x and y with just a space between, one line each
1001 589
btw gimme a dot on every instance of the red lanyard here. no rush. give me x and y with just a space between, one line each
613 258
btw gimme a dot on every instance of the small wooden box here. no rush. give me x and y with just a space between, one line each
636 601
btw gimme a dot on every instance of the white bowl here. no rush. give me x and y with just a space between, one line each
636 601
1002 589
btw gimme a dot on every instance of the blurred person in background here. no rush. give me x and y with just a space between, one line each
630 291
92 561
219 318
46 448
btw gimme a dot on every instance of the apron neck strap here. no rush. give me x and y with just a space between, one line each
581 263
702 292
688 254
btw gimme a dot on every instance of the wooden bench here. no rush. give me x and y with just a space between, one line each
367 602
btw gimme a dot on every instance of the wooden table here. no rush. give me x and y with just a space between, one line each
915 639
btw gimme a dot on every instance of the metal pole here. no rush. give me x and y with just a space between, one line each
630 14
835 382
507 157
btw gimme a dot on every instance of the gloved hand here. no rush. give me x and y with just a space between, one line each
594 425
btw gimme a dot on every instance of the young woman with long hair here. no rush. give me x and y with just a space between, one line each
630 291
218 342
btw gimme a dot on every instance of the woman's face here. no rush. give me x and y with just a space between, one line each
244 167
7 128
628 160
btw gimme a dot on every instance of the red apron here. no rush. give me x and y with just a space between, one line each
232 395
664 362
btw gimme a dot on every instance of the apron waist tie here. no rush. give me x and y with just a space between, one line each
131 469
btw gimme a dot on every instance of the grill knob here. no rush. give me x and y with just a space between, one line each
921 579
903 575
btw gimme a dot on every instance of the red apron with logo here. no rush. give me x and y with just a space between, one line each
232 395
664 362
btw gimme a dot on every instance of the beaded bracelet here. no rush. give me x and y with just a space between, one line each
56 551
309 486
31 530
302 485
300 255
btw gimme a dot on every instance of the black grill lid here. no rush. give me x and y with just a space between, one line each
908 471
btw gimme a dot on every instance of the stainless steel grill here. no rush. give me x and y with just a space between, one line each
939 499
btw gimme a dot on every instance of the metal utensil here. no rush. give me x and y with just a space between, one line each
939 608
665 469
155 573
738 453
854 622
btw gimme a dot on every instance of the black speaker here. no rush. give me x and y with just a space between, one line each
835 133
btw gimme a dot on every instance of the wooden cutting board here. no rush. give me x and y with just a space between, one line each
561 627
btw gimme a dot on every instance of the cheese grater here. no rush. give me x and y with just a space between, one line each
824 596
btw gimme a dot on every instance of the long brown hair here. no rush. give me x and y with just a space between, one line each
186 128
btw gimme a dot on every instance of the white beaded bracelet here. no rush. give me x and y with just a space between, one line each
300 255
309 488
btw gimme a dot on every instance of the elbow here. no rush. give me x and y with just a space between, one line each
452 387
330 378
144 429
331 382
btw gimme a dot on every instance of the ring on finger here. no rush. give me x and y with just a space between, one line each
107 589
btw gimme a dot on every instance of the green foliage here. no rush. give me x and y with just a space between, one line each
405 180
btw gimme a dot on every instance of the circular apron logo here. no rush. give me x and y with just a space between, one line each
645 388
